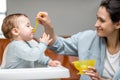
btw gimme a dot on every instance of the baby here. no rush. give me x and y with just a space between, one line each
23 51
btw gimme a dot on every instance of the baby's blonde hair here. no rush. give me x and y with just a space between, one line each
9 23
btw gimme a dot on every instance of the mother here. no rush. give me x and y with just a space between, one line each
103 44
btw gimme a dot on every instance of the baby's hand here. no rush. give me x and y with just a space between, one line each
45 38
54 63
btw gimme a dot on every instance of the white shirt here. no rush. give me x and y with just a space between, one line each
111 64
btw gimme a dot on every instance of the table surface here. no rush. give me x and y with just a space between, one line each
35 73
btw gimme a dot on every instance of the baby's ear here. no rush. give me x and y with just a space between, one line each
15 31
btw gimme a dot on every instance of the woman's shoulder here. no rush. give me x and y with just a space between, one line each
85 34
88 32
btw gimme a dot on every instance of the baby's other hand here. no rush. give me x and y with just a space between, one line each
54 63
45 38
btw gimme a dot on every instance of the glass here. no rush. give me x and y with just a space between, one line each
81 65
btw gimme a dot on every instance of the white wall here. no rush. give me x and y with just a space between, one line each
68 16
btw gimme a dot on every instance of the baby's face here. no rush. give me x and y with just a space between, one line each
25 29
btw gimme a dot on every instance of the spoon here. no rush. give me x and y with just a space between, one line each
36 23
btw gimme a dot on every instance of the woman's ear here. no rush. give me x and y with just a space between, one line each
15 31
117 25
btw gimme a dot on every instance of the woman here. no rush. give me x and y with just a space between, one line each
103 45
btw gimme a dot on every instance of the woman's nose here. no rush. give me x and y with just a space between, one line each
97 24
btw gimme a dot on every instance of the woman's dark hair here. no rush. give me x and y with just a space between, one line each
113 8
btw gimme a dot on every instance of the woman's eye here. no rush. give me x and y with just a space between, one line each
102 20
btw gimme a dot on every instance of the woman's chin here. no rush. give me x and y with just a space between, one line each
101 35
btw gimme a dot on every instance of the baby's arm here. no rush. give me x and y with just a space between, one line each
44 20
46 39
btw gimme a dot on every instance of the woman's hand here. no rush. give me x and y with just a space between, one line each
92 72
44 19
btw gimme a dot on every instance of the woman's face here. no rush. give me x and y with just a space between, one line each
104 25
25 29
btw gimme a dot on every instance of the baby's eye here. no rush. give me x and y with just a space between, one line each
28 26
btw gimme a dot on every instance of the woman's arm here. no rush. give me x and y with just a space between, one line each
44 20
